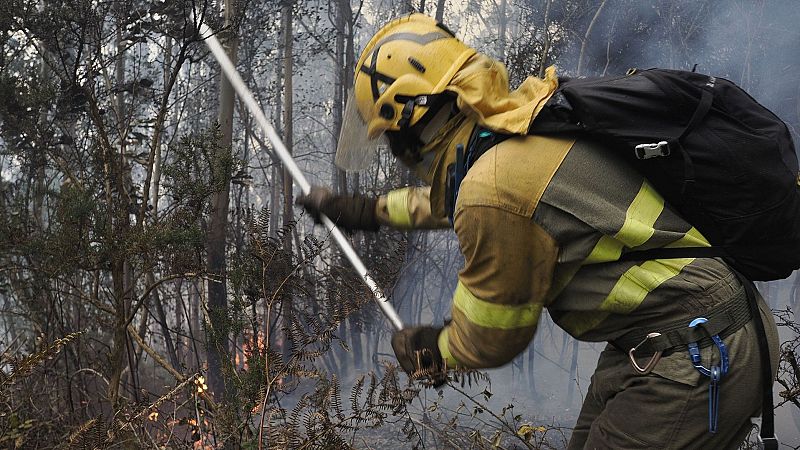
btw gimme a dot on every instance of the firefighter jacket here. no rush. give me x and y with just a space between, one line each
541 223
409 208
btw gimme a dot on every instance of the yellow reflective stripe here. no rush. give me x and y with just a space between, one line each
627 294
640 217
444 348
397 207
493 315
636 230
606 249
638 281
692 238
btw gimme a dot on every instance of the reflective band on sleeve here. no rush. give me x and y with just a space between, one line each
444 348
397 207
640 217
636 230
607 249
492 315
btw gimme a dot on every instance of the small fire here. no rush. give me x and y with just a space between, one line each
249 348
200 382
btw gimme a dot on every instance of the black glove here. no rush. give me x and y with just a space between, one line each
354 212
417 351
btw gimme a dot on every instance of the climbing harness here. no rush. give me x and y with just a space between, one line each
709 329
715 373
723 320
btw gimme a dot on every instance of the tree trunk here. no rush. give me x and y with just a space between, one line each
276 174
573 372
341 84
546 31
440 10
217 344
156 171
117 227
502 22
586 37
162 322
119 345
195 300
179 319
288 110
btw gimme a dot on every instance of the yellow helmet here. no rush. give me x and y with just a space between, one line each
402 68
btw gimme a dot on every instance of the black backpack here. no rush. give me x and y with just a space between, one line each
724 161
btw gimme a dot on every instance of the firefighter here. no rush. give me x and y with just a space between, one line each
542 222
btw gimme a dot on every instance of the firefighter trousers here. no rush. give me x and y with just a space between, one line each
669 408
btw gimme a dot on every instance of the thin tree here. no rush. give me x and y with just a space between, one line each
217 344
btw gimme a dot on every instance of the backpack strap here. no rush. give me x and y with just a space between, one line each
480 141
672 253
725 252
766 436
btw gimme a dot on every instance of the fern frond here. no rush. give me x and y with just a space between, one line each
27 364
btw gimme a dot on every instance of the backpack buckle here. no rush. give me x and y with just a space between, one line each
768 443
764 442
647 151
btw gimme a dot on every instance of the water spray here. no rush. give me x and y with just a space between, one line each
298 177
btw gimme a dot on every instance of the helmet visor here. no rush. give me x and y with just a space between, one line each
355 150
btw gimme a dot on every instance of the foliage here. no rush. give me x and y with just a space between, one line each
18 429
110 160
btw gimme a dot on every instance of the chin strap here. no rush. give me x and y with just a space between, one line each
410 102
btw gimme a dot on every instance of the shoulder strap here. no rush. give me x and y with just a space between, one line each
728 252
671 253
480 141
766 435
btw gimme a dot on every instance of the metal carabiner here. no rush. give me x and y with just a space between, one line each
694 351
715 373
653 360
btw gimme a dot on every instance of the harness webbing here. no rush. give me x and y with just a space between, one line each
766 435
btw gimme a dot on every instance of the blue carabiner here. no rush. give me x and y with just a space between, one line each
694 351
715 373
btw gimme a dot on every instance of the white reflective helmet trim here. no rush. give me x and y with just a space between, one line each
355 151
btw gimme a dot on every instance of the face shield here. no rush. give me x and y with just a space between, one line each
355 150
